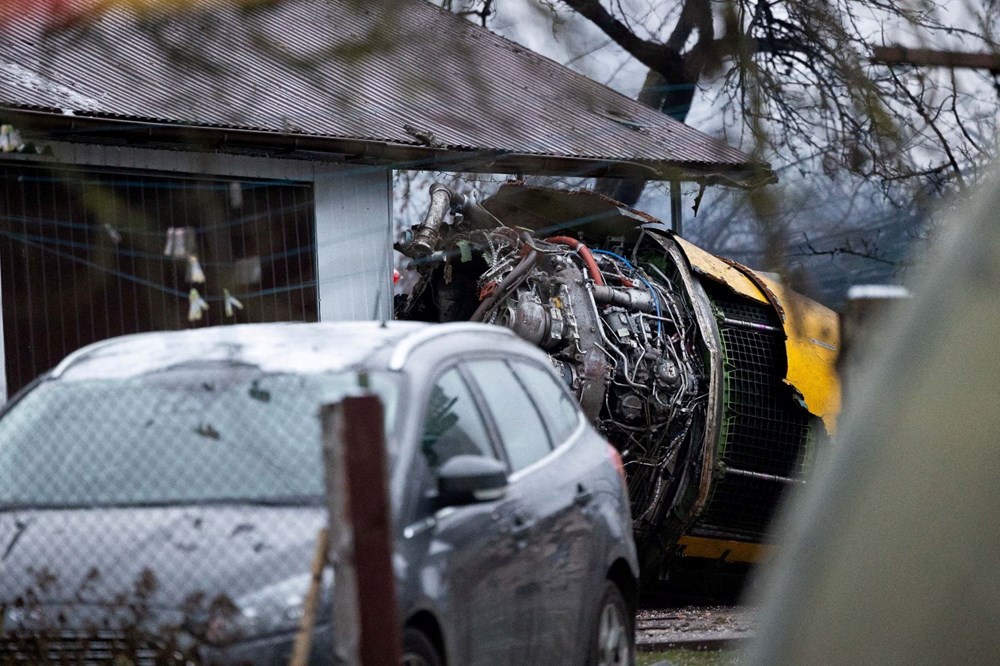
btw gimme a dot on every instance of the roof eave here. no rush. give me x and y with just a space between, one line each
55 124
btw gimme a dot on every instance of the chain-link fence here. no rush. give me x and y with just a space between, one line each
167 516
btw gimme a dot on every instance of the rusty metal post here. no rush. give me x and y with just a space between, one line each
366 624
346 627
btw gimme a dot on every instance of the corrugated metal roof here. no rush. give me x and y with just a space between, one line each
402 74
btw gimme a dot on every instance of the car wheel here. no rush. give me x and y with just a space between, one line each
418 650
612 638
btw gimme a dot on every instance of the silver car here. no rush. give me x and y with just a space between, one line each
161 495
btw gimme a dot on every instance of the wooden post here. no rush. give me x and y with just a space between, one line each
371 520
354 447
303 639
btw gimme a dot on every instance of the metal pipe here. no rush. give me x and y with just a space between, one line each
425 240
760 475
600 329
676 223
514 278
635 300
751 325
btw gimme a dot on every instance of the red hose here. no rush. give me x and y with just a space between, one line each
581 249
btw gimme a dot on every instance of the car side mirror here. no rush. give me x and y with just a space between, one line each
465 479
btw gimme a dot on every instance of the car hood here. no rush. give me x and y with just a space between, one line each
169 561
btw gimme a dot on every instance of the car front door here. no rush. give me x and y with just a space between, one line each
571 540
473 566
554 535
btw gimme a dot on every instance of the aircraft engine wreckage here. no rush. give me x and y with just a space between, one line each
715 383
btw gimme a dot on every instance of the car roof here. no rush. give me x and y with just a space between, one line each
278 348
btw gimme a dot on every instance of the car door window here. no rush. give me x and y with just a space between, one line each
522 430
561 413
452 423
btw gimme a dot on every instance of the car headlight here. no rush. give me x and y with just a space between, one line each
274 609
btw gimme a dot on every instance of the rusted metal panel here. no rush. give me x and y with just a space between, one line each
397 74
548 211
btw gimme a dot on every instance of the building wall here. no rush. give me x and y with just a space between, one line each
354 241
351 212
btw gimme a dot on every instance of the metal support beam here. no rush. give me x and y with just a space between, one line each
676 223
732 471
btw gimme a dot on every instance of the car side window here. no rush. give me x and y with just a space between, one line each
452 424
561 412
524 434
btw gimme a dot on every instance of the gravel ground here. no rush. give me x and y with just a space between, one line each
693 627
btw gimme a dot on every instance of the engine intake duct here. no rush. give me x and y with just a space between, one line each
633 300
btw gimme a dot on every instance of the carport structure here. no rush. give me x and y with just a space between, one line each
267 132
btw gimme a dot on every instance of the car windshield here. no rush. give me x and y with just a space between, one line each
180 436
